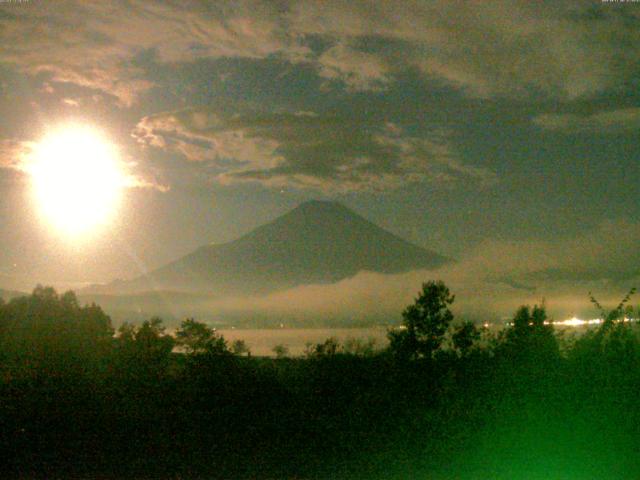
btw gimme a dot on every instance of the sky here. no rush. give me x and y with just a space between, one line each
503 134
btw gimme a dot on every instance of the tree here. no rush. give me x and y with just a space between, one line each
193 336
424 323
198 338
530 335
240 347
152 341
329 348
281 350
618 313
144 350
464 337
613 340
359 347
47 330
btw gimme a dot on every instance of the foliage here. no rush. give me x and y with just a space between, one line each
347 411
143 351
360 347
425 323
198 338
240 347
49 330
614 341
464 337
618 313
280 350
328 348
531 337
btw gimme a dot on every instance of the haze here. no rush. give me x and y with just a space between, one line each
502 136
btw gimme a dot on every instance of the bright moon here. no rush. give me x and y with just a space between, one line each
77 180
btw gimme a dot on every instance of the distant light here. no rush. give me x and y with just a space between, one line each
572 322
577 322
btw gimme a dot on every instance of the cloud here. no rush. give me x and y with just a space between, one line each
64 40
357 70
503 48
93 44
490 281
16 155
307 150
134 181
604 121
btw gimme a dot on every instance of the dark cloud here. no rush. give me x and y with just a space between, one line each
503 48
600 122
92 44
307 150
66 41
358 70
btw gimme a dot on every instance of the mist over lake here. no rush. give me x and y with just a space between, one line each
297 340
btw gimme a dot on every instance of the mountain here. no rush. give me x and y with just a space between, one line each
317 242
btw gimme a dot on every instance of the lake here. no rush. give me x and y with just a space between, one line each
262 341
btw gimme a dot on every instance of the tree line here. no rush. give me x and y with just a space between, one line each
445 399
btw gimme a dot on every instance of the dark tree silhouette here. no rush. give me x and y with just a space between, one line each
240 347
359 347
531 336
614 340
464 337
618 313
280 350
51 329
342 412
328 348
198 338
143 351
152 340
424 323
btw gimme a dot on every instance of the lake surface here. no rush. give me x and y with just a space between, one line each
262 341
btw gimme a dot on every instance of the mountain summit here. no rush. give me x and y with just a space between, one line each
316 242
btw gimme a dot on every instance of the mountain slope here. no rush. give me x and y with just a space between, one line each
317 242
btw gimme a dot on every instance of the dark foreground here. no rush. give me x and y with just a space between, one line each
75 402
